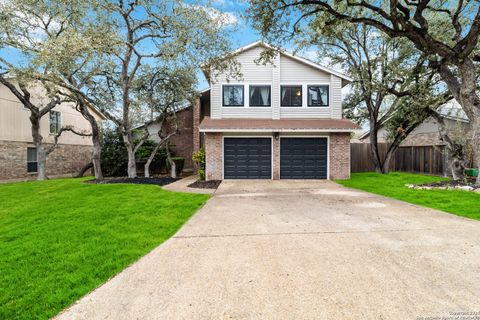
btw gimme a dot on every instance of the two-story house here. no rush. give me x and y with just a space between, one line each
282 120
18 155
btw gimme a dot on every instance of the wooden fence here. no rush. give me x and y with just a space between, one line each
417 159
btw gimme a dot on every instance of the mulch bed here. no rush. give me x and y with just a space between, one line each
468 185
161 181
201 184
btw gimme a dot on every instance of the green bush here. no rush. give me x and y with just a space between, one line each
115 159
179 164
198 158
114 154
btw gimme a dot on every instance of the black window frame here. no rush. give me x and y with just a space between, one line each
291 87
223 95
35 166
259 86
328 95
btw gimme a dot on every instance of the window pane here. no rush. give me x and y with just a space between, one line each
286 96
32 154
31 159
32 167
233 95
54 122
260 96
291 96
318 95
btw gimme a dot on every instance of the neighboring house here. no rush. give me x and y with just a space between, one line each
18 157
427 133
181 143
280 121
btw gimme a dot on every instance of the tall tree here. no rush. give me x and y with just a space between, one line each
383 69
37 111
446 32
152 34
166 92
57 44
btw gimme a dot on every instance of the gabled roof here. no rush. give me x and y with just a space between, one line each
450 110
345 79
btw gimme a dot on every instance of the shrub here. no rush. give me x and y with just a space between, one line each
115 158
179 164
198 158
114 154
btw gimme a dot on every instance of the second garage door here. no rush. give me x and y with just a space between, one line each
303 158
247 158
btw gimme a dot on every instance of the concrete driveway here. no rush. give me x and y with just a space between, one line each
300 250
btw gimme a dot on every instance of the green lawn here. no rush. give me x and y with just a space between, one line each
60 239
462 203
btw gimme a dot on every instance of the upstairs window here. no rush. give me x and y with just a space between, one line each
32 160
233 96
260 96
317 96
55 122
291 96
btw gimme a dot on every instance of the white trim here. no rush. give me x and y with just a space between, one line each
318 84
223 154
246 94
305 85
277 130
312 136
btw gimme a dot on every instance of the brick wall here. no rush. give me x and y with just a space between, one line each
276 159
183 143
339 156
65 160
213 151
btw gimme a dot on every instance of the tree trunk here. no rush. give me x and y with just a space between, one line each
386 162
38 142
41 162
456 152
374 147
476 144
173 166
150 159
84 169
97 147
96 157
132 164
464 90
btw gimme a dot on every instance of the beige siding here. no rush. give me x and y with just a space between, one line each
336 98
284 70
295 71
15 123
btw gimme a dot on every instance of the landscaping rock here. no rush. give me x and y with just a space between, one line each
466 185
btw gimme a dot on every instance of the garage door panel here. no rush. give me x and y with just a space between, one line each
247 158
303 158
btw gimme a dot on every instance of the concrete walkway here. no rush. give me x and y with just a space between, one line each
182 186
300 250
